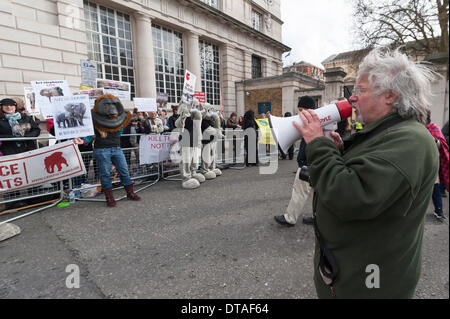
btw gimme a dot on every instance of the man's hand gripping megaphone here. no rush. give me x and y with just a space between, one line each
312 128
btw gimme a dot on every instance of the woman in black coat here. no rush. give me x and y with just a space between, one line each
250 123
15 124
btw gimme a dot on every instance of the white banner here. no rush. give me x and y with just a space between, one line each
145 104
45 90
122 90
155 148
188 88
44 165
72 116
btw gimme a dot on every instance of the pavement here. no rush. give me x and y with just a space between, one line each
218 241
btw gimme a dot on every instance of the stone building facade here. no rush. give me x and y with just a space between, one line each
149 43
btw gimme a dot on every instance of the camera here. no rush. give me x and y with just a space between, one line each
304 175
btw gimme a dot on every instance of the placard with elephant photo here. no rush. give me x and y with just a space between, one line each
72 116
30 101
122 90
45 90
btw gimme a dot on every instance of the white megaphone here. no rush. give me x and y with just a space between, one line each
285 132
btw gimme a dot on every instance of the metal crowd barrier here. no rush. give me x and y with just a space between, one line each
230 154
230 151
46 195
145 175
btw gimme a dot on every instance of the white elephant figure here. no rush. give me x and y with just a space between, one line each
211 131
189 122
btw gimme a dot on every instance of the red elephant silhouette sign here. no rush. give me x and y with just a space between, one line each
56 159
44 165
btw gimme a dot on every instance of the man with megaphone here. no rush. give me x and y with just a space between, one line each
371 194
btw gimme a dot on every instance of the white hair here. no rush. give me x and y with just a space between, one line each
393 71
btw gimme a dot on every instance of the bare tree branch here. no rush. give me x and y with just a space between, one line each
420 24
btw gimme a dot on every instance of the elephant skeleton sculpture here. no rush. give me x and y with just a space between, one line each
210 131
189 123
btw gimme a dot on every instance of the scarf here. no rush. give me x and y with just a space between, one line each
13 121
443 153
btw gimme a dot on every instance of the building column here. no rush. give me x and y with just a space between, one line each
227 79
334 84
247 66
288 98
145 68
193 57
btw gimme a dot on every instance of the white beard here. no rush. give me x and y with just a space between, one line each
359 118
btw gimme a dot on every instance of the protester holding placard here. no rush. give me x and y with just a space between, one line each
15 124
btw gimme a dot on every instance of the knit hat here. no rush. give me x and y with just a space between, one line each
306 102
8 101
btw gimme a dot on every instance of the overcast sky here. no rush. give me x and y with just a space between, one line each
316 29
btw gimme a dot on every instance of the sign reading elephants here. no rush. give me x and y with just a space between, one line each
45 90
72 116
44 165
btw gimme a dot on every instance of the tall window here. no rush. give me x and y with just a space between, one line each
212 3
256 20
169 62
209 69
108 34
256 67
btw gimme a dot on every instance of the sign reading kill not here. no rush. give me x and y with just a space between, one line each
47 164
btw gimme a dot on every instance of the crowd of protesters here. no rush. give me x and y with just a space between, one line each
15 122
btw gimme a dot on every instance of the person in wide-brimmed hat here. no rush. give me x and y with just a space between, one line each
109 118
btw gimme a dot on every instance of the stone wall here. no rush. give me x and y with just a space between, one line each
40 40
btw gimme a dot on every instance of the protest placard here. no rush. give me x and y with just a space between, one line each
44 165
72 116
30 101
145 104
188 88
200 96
92 93
162 99
45 90
155 148
122 90
88 73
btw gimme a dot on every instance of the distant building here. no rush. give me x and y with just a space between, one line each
305 68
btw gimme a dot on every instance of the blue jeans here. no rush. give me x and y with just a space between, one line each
437 198
106 156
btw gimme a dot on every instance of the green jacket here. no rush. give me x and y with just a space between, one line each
370 204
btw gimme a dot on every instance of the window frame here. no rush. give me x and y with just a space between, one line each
116 70
260 73
258 14
214 98
163 76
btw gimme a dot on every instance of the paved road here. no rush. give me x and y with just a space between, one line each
219 241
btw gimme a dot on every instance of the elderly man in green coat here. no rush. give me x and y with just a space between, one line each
372 192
